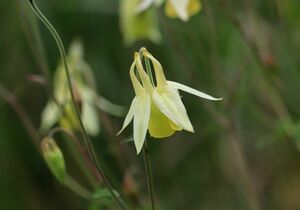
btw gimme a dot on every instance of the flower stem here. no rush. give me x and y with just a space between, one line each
146 155
86 138
149 175
31 30
12 100
148 69
77 188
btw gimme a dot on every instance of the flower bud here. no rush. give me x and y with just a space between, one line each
54 158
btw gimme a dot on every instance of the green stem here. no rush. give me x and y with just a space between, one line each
34 39
148 69
149 175
86 138
146 155
77 188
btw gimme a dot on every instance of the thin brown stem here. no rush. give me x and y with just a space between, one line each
12 100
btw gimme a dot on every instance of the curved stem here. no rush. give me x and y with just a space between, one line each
149 175
86 138
34 39
77 188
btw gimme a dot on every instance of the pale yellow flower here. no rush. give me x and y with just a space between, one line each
156 107
61 110
182 8
136 25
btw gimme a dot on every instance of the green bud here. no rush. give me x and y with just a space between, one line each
54 158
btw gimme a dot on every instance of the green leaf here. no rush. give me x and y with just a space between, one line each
102 193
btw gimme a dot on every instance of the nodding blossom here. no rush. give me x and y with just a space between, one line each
156 108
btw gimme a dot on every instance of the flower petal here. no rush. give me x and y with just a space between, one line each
159 72
169 102
158 2
143 5
192 91
129 115
50 116
174 126
159 125
141 120
90 118
180 6
109 107
194 7
76 51
137 86
89 112
69 119
144 77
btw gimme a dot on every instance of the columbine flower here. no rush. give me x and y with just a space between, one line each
182 8
174 8
61 110
138 25
156 107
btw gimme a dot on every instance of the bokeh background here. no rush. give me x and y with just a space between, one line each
245 152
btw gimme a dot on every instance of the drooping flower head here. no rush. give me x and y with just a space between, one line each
157 106
61 110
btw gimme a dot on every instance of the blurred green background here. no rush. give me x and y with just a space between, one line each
245 152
